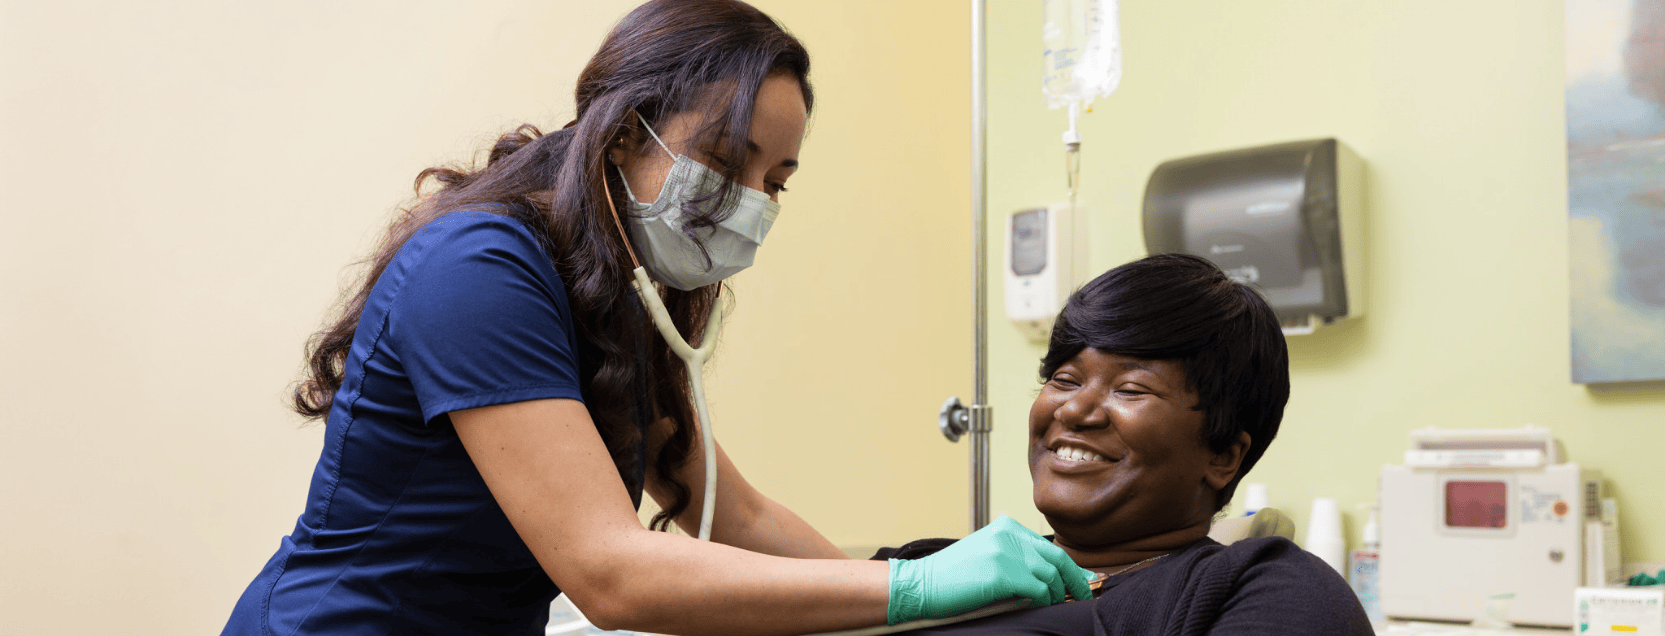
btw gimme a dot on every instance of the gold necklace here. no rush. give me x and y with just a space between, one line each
1138 564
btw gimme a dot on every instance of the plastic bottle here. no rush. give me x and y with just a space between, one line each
1365 567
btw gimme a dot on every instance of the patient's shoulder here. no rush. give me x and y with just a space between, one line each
1277 551
913 549
1280 587
1268 565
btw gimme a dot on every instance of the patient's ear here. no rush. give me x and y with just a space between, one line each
1223 468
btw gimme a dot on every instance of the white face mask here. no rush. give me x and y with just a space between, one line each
674 258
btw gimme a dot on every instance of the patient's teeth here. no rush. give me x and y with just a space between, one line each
1079 455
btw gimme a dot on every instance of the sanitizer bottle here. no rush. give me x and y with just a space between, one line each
1362 572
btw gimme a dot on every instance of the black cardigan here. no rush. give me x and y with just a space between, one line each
1254 586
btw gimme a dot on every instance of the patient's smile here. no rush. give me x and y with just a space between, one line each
1114 443
1078 454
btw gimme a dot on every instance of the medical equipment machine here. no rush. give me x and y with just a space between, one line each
1284 218
1046 258
1474 514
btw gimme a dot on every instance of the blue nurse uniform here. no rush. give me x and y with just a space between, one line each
400 534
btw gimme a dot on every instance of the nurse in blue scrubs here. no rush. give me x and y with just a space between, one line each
497 401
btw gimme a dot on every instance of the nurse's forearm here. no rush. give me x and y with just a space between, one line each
677 585
773 529
747 519
555 480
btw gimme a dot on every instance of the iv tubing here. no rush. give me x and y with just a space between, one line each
695 359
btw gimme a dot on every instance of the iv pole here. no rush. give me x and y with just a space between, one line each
955 418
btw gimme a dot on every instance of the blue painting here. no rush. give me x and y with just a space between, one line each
1616 188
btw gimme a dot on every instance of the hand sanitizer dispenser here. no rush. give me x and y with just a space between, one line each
1284 218
1046 256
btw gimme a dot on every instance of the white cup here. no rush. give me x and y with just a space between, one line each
1324 534
1254 497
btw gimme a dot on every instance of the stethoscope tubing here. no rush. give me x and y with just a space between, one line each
694 358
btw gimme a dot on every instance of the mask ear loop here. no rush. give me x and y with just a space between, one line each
694 359
655 135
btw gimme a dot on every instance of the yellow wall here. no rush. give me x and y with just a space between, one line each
1456 109
854 325
186 183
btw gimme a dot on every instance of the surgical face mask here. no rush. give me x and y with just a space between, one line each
673 257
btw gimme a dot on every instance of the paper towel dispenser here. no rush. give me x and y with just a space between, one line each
1283 217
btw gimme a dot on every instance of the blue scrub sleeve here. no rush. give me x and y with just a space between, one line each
481 317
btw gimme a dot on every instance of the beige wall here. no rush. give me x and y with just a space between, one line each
1456 109
187 183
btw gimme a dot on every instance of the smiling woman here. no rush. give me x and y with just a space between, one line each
1178 377
1163 385
1116 455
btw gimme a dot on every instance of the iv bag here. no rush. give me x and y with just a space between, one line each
1083 51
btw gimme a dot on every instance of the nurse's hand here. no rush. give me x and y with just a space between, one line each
1001 561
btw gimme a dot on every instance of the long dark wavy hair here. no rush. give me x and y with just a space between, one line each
666 57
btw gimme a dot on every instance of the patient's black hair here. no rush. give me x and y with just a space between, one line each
1182 307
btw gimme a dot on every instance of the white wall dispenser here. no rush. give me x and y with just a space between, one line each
1046 259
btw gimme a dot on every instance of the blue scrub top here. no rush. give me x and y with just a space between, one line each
400 534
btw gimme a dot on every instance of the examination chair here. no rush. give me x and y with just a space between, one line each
1267 522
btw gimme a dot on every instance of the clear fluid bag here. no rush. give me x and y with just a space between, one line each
1083 51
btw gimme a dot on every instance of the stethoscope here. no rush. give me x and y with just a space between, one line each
694 358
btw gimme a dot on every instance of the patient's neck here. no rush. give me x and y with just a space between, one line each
1115 554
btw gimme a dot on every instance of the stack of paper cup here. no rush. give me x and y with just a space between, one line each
1324 534
1255 498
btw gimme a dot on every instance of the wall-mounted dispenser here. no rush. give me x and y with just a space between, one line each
1046 256
1284 218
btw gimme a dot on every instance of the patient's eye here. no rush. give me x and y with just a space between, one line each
1062 380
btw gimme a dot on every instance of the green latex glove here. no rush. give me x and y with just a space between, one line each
1001 561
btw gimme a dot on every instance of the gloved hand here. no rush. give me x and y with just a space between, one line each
1000 561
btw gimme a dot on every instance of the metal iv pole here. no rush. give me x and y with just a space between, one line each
955 418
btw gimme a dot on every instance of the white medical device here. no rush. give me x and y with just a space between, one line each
1477 513
1046 258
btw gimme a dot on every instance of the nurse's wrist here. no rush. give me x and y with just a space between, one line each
906 601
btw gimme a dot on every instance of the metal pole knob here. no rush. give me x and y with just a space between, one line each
954 419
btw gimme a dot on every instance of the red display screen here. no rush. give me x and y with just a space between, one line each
1476 504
